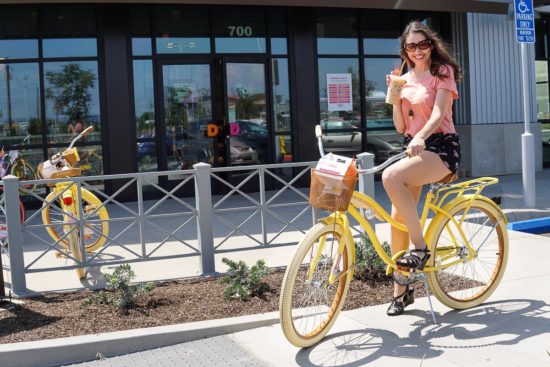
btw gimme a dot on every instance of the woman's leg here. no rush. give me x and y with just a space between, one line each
400 240
408 173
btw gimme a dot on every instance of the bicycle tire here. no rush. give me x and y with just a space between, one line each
300 296
76 251
98 223
24 171
462 286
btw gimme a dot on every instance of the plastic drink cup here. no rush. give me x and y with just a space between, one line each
394 89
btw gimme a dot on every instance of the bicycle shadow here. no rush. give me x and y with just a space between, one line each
492 324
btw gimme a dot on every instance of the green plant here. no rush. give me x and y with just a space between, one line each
244 282
124 294
368 265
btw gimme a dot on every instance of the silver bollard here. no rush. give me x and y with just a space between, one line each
203 195
15 238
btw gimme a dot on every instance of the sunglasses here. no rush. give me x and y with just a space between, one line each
423 45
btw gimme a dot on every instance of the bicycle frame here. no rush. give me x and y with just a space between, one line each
437 200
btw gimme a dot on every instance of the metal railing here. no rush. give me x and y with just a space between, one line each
247 216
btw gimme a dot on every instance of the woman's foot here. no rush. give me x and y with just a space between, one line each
414 259
398 304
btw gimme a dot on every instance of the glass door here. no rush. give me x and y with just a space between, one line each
186 112
246 112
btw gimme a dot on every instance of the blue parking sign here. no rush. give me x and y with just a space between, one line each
525 21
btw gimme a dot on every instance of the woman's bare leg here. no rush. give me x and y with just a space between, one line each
400 240
408 173
403 182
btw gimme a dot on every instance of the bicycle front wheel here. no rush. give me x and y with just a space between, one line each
309 303
24 171
96 228
463 283
76 252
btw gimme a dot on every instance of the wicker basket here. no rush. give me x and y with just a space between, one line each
331 192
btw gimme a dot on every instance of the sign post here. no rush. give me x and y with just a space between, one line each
525 35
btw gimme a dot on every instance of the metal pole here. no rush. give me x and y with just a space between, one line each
10 123
203 195
366 182
527 139
15 239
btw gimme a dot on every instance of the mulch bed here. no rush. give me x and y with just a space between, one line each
62 315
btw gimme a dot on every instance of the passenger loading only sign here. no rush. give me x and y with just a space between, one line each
525 21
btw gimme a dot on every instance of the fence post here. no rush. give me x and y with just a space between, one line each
15 238
263 223
203 197
366 182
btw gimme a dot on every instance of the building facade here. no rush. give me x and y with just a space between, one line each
169 85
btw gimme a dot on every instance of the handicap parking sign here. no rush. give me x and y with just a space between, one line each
525 21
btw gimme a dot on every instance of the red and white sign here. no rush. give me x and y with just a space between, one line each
339 92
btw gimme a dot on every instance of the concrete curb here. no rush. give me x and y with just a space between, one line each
55 352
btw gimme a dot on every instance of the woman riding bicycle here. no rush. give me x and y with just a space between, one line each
424 116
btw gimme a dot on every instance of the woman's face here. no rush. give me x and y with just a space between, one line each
419 49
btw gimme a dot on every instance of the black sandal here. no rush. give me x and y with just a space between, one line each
396 307
412 261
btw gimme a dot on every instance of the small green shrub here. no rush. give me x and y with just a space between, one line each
124 294
244 282
368 265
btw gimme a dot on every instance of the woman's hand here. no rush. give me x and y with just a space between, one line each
416 146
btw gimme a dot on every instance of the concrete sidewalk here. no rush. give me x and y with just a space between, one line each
511 329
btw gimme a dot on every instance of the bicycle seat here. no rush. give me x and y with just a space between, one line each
451 177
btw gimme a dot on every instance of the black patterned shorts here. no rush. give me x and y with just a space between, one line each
446 146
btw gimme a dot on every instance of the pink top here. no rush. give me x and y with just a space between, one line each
420 96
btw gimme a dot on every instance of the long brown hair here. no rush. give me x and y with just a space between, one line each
441 54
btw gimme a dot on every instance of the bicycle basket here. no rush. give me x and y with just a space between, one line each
331 192
47 170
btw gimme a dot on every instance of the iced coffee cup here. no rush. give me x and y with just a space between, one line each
394 89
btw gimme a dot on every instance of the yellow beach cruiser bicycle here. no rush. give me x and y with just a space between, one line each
70 215
467 238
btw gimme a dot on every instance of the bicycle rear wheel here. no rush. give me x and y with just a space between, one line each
309 304
96 227
468 283
24 171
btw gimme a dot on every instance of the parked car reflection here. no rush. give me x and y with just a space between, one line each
242 153
183 150
383 144
254 135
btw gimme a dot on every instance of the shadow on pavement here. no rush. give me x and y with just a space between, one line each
495 323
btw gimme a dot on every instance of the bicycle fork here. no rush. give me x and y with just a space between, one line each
337 257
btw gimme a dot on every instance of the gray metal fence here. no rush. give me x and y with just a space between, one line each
246 217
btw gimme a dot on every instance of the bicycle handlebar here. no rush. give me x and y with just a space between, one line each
395 158
56 158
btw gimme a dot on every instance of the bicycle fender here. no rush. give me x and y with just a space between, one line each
456 201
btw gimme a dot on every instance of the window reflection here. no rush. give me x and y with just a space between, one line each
188 111
379 114
91 160
72 99
141 46
69 47
247 113
18 49
337 35
348 67
281 95
19 104
279 46
144 98
381 46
